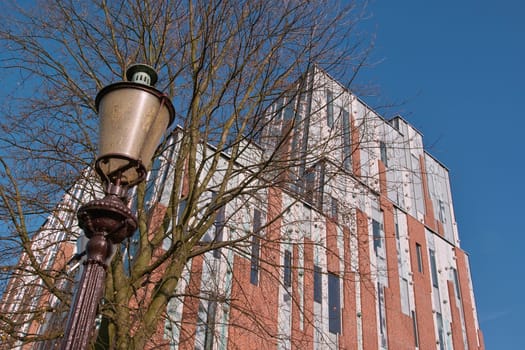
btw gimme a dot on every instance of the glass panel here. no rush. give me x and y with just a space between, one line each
329 108
254 261
376 230
414 326
318 284
419 258
347 144
334 304
131 124
433 268
384 158
287 268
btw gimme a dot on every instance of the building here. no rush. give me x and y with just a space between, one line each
353 244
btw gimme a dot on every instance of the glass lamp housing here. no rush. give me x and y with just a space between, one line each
133 118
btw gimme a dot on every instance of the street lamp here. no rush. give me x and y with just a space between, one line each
133 118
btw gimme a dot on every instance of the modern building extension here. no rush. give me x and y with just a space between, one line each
353 243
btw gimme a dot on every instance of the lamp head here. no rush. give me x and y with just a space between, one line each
133 118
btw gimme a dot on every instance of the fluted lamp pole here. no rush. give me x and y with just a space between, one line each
133 118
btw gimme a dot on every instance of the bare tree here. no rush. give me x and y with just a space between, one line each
238 74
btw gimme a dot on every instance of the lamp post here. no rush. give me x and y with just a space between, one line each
133 118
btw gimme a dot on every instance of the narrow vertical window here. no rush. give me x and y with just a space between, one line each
405 301
456 282
380 302
210 325
320 184
334 304
219 228
329 108
417 184
419 256
153 180
289 110
254 270
309 184
206 321
442 211
384 157
288 116
287 268
433 268
334 204
396 225
182 208
376 233
382 314
278 109
314 178
318 284
416 331
347 144
439 320
254 261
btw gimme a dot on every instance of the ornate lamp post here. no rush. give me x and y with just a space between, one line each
133 118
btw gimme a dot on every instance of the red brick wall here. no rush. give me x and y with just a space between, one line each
457 333
399 325
422 285
368 291
468 304
348 337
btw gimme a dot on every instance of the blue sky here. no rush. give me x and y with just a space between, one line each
455 70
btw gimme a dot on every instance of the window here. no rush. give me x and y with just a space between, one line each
396 225
254 261
439 321
384 157
288 116
334 304
288 110
206 321
347 144
433 268
417 184
296 137
152 180
254 264
278 108
376 231
318 284
309 183
329 108
287 268
333 207
395 123
414 326
314 184
382 314
219 228
442 217
419 257
182 208
405 301
210 325
320 184
456 282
